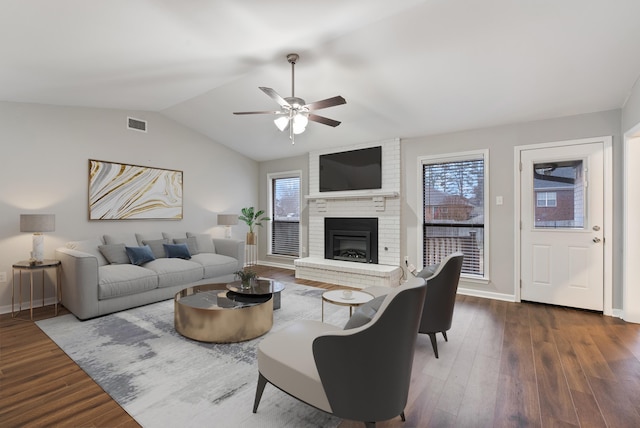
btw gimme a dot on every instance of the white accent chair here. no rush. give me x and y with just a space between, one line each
361 374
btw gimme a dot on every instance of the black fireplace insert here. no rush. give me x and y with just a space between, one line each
351 239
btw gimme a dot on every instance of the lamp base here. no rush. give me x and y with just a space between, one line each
38 248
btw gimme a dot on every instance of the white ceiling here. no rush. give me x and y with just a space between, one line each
407 68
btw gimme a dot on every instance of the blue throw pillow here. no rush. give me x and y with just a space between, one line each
180 251
139 255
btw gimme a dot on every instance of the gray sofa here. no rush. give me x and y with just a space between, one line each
98 276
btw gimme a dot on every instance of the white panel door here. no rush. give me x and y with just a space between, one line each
562 246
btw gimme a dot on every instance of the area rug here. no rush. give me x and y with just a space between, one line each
163 379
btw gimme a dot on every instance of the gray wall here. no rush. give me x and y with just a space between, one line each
300 163
501 141
45 150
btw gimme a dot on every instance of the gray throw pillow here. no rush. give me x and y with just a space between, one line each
428 271
157 246
364 313
115 254
205 243
191 242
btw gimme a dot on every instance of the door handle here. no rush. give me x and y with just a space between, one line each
596 239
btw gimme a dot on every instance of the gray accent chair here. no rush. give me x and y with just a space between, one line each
442 287
361 374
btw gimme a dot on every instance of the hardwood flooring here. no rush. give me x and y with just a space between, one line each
505 365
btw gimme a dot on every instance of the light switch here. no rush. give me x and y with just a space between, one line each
499 200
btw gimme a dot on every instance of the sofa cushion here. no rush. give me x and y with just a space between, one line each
128 239
428 271
174 235
115 253
175 271
364 313
205 242
90 246
191 242
157 247
215 264
139 255
180 251
123 280
141 237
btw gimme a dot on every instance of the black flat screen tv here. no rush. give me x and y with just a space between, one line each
352 170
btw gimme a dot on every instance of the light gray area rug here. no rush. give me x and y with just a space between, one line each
163 379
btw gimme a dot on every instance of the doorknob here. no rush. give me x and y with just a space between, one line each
596 239
596 228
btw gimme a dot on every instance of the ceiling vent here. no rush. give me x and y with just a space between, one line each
137 124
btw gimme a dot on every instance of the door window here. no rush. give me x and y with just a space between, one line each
559 189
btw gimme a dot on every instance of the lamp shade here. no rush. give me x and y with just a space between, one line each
227 219
37 223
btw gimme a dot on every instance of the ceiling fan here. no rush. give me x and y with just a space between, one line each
294 112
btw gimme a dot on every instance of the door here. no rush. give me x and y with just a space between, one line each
562 215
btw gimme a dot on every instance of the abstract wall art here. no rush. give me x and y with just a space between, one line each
132 192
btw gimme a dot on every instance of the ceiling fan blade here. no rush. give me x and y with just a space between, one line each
323 120
329 102
273 94
259 112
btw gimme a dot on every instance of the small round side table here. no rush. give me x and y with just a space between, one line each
31 267
335 296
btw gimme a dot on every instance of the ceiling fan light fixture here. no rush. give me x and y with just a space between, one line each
300 122
281 122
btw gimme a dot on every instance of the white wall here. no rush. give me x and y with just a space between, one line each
631 109
631 129
501 141
45 153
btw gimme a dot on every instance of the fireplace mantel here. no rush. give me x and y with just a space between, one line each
353 195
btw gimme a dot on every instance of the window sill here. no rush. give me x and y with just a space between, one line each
474 279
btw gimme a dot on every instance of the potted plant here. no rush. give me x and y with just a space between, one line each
246 276
252 218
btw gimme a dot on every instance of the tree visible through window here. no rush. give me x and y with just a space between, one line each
285 219
454 200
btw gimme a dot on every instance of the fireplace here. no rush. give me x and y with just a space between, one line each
351 239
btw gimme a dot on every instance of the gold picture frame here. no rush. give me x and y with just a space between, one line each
119 191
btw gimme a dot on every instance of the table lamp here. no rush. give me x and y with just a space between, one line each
227 220
37 224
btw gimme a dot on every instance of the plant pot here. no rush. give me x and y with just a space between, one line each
251 238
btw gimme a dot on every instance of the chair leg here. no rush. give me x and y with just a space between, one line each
444 333
434 344
402 416
370 425
262 382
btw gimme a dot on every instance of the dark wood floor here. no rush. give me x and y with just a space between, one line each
505 365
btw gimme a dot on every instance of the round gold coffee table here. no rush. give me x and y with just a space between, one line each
210 313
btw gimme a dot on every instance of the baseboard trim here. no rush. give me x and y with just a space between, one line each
6 309
486 294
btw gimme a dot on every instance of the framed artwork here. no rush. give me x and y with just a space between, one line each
120 191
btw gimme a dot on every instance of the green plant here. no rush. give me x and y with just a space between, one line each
245 275
252 217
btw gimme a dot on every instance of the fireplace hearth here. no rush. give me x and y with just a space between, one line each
351 239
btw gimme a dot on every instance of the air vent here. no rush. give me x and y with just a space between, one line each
137 124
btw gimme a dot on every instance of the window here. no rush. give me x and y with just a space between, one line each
546 199
285 215
454 208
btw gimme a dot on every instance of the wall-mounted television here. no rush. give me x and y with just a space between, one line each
352 170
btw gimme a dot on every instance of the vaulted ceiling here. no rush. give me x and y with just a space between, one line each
407 68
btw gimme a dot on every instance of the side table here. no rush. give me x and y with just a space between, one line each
335 296
27 266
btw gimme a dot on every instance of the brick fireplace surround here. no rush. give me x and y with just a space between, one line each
383 204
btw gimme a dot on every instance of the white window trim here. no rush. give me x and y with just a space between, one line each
456 157
270 177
